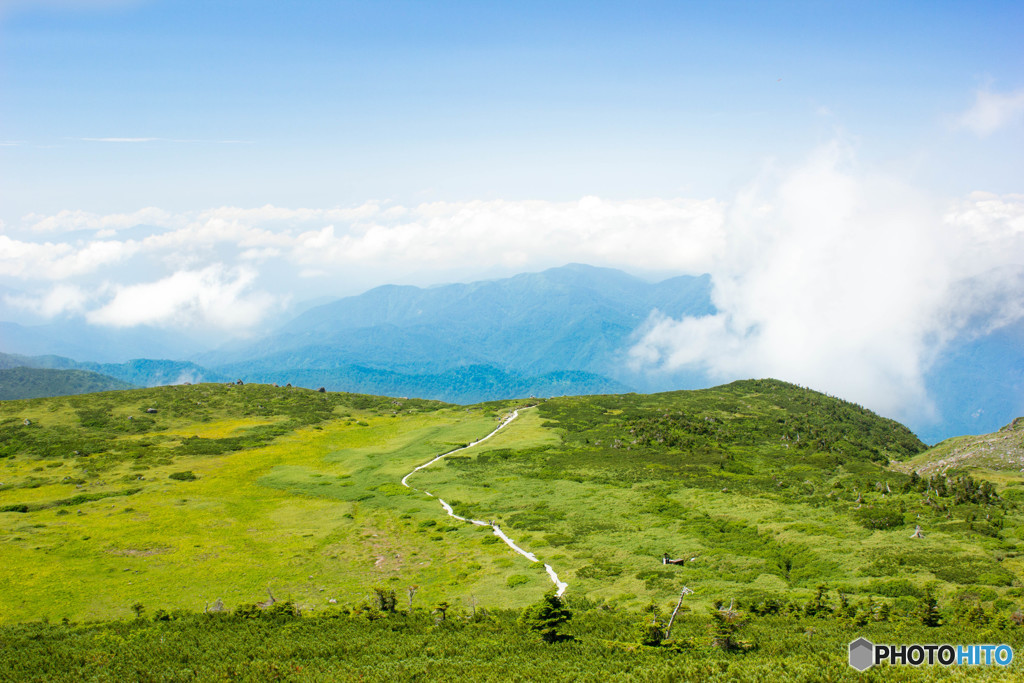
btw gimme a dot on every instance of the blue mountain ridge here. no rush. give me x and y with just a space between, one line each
561 331
571 318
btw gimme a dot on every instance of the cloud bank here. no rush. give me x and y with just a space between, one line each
128 266
848 282
211 297
826 273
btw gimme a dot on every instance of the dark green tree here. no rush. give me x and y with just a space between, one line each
547 618
385 598
928 612
650 630
818 605
724 625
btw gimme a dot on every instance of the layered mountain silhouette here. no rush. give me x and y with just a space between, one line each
571 318
564 331
561 331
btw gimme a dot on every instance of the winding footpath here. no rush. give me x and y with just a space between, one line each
560 585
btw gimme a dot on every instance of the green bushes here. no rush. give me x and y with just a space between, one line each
77 499
600 570
516 580
592 644
879 517
895 589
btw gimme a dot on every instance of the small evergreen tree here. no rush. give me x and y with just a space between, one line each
844 609
724 625
650 630
547 617
386 600
976 615
928 612
818 606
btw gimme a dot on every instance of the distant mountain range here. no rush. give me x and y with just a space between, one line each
75 339
574 318
563 331
138 373
22 382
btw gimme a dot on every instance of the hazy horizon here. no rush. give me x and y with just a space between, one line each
848 174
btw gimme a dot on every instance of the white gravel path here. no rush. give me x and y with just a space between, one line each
560 585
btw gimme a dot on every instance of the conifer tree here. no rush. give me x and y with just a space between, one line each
547 617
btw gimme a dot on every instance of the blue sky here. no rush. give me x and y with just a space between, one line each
334 103
851 174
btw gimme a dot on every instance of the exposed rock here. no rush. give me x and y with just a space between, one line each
267 603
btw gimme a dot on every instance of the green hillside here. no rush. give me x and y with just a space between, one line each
997 454
226 490
21 382
141 372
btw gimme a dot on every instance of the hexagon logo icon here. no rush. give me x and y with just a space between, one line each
862 654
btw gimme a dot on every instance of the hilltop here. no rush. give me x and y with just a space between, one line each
999 451
22 382
178 496
140 372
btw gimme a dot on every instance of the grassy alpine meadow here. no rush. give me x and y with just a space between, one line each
765 490
253 490
792 516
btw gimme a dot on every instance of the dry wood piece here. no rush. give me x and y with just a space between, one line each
267 603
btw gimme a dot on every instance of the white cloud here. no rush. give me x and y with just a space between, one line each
66 221
59 300
992 111
214 297
847 282
174 140
646 234
442 237
57 261
120 139
826 275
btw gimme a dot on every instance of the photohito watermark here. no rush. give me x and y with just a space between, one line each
864 654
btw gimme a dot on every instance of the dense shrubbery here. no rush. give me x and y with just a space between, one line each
770 641
746 413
